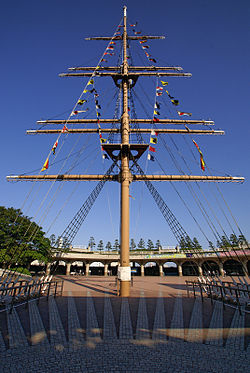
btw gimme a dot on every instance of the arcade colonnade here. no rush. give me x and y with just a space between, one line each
186 266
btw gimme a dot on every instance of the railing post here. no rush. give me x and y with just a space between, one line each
201 292
28 297
55 289
39 293
48 290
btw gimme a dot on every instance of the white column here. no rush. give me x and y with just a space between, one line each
68 265
179 270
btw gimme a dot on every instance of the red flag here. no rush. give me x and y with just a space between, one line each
151 149
155 119
65 129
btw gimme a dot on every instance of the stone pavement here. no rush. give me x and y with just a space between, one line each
91 330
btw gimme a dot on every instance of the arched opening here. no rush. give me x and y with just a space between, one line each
151 269
233 268
209 267
170 269
37 268
112 268
190 268
96 269
135 269
58 268
78 268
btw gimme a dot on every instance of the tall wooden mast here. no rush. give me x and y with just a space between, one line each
127 74
124 273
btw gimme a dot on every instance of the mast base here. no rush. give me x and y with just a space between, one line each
124 288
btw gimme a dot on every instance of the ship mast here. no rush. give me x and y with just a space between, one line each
124 273
126 76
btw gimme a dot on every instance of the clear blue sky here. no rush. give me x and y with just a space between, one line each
40 39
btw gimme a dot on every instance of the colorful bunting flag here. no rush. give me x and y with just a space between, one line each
65 129
159 88
156 119
75 112
46 165
158 94
151 149
103 60
164 83
157 105
131 196
202 163
156 112
152 60
153 140
105 156
171 97
181 113
151 157
143 41
81 102
91 81
175 102
154 133
145 47
103 140
54 147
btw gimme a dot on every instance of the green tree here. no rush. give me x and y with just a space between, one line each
100 245
150 244
52 240
108 246
234 240
92 242
21 240
141 244
186 243
158 244
132 244
224 242
196 244
242 240
116 245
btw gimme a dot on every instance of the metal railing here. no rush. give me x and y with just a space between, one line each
24 291
227 292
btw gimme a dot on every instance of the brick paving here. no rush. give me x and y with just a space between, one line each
215 331
157 329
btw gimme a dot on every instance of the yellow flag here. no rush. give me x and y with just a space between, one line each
164 83
46 165
91 82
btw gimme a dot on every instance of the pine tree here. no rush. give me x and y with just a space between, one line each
108 246
196 244
234 240
141 244
91 242
150 244
100 245
132 244
158 244
116 244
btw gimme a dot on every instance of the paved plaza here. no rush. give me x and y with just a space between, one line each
157 329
